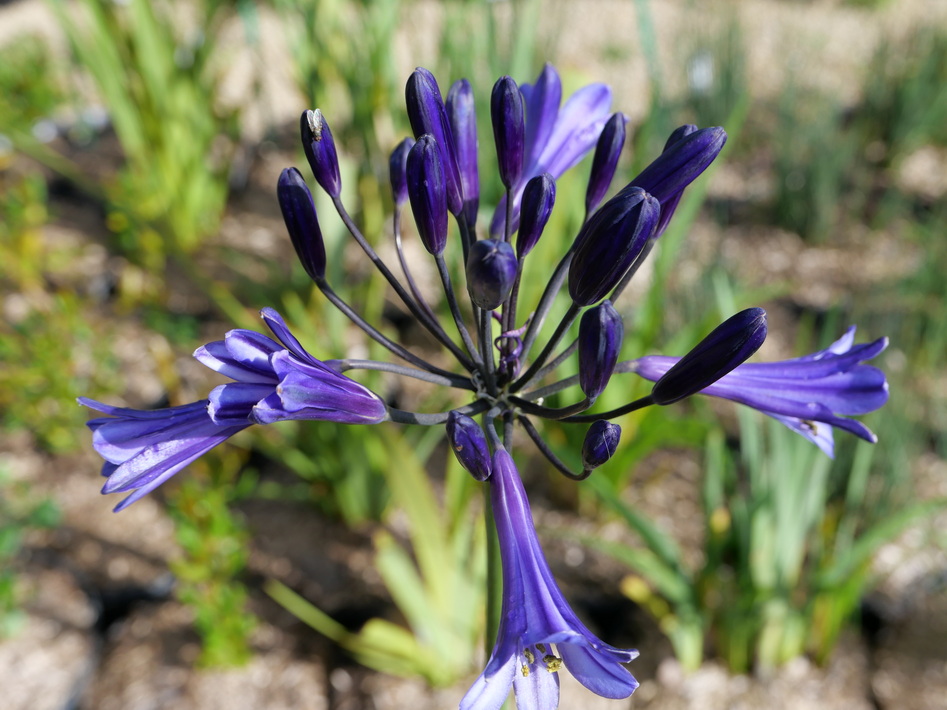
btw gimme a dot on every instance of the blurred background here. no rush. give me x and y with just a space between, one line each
140 143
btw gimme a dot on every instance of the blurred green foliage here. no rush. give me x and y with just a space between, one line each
20 512
39 378
159 80
31 89
904 104
214 541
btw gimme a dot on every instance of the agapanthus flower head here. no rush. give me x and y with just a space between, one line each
810 394
507 378
539 633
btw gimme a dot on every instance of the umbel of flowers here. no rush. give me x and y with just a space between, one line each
506 360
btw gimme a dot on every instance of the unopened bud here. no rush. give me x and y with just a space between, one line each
610 242
538 200
681 162
426 191
509 129
320 151
299 214
469 445
601 442
427 114
491 272
398 169
729 345
463 124
600 335
607 152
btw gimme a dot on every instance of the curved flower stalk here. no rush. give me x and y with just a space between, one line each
536 622
810 394
273 380
495 374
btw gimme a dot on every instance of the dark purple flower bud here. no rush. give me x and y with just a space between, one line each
729 345
669 206
427 192
470 445
506 110
605 162
427 115
299 213
491 272
538 200
679 134
681 162
601 441
398 171
320 151
463 125
600 334
610 242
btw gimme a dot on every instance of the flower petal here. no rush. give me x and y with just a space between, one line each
232 404
251 349
158 462
538 690
220 358
274 321
599 674
541 101
577 128
489 692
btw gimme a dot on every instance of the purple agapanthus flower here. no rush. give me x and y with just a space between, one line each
536 621
273 380
556 137
507 377
810 394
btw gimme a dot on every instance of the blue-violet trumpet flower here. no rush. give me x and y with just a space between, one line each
539 633
273 380
809 394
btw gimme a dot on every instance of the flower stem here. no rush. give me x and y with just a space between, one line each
494 575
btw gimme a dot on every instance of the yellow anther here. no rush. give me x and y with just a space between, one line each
553 663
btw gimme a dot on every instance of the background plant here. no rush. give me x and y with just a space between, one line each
159 83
